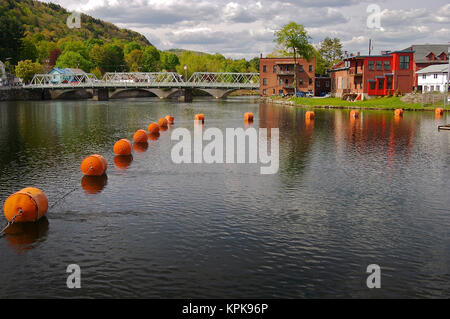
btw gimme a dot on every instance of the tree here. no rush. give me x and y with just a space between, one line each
169 61
71 59
133 45
11 33
133 60
53 57
294 39
29 50
27 69
113 59
150 59
331 51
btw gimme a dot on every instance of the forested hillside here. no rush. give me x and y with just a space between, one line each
35 38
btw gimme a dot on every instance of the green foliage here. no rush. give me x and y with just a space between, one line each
169 61
331 51
11 32
113 59
150 59
28 50
97 72
27 69
71 59
293 38
133 45
133 60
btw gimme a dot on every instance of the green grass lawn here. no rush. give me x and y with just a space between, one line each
376 103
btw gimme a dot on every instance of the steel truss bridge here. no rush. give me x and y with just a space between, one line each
159 80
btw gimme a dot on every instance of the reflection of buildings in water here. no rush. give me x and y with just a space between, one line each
22 236
383 131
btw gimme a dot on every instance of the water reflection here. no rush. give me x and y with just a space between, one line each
123 161
153 136
140 147
24 236
94 184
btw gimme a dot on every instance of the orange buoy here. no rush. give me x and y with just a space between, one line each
94 184
94 165
153 128
439 111
30 203
153 136
200 117
140 147
123 161
162 122
354 114
140 136
398 112
122 147
310 115
248 117
170 119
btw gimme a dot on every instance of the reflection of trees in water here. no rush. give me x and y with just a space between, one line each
25 236
296 138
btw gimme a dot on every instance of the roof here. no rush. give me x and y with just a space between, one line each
422 50
68 71
76 71
435 68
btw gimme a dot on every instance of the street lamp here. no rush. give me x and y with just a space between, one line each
185 72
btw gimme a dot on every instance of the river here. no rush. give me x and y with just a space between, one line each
348 194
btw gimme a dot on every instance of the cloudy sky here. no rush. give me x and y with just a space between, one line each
245 28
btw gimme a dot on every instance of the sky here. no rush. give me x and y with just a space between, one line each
245 28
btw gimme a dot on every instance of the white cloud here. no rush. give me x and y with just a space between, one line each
244 28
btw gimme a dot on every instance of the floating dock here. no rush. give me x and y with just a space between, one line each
444 127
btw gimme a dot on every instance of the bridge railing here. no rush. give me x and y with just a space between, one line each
143 78
63 80
226 79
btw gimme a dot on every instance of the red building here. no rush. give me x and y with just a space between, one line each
383 74
277 76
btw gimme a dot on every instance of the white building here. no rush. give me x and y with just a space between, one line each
433 78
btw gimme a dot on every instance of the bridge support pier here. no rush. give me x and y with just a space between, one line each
186 96
100 95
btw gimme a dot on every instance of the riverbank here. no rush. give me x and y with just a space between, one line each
384 103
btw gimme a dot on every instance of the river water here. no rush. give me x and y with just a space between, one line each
348 193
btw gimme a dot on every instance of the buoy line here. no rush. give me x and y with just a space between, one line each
10 223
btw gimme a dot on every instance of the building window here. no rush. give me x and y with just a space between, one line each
379 65
404 62
281 81
371 64
435 76
264 81
300 81
273 91
310 68
327 84
389 83
310 81
424 76
318 84
300 67
264 68
380 84
372 85
264 92
274 69
286 82
387 65
438 87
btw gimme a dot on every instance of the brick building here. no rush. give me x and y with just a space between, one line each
277 76
323 85
382 74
